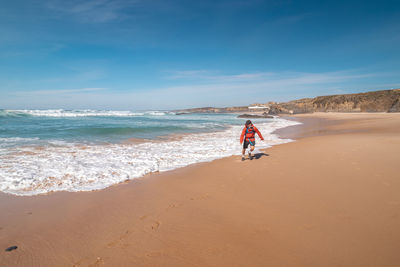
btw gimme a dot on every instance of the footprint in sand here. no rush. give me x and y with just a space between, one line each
84 262
143 217
99 261
205 196
155 225
156 254
119 240
262 230
172 206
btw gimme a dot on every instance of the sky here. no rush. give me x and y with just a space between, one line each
171 54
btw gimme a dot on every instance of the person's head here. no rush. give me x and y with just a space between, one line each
248 123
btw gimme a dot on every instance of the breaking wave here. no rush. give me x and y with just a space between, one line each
78 113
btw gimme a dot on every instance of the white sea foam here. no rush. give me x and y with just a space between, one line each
74 113
29 170
17 139
6 142
155 113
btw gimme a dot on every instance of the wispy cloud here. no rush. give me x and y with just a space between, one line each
79 75
269 77
207 75
96 11
57 92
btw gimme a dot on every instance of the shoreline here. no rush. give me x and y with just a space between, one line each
169 140
329 198
309 126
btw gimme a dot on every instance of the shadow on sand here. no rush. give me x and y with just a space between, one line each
260 155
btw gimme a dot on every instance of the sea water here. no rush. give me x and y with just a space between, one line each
80 150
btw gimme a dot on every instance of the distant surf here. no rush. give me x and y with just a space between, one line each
77 113
44 151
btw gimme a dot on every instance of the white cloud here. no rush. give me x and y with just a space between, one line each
59 92
269 77
216 76
95 11
79 75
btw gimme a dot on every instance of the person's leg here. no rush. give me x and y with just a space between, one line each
251 150
244 149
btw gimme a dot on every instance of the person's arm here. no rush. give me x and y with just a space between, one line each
258 132
242 135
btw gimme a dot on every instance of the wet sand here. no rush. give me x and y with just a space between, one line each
332 198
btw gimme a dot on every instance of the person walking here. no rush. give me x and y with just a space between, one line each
248 138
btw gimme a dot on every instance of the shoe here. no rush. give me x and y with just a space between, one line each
250 157
242 158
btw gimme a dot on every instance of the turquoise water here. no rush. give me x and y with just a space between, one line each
90 126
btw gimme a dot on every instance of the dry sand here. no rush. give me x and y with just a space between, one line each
332 198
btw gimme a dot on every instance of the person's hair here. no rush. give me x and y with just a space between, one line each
248 122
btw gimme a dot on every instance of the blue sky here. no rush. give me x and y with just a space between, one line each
161 54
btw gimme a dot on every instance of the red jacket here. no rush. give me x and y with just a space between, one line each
250 134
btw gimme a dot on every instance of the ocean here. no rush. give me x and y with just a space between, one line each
44 151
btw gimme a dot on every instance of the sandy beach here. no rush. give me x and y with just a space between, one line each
331 198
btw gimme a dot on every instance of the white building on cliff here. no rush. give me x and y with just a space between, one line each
258 107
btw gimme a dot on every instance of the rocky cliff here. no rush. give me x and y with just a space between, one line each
213 110
377 101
